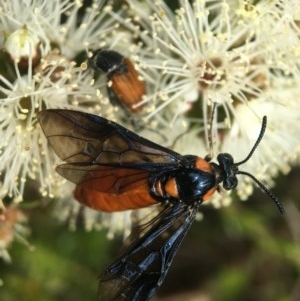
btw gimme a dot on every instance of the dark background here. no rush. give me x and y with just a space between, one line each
247 251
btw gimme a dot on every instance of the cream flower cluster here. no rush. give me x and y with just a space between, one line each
40 43
243 56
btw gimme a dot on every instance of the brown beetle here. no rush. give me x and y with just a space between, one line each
124 83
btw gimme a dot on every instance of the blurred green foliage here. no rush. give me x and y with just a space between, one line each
246 251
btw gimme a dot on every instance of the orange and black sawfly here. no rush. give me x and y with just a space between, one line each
115 169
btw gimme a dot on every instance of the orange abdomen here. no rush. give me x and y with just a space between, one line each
128 87
138 197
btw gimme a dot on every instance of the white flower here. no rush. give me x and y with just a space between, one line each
244 57
42 39
241 55
21 44
24 153
211 51
59 23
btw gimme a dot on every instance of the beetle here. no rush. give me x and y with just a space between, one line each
115 169
124 83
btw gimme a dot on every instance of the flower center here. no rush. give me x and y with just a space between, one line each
210 73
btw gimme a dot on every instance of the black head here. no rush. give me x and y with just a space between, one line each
108 61
227 170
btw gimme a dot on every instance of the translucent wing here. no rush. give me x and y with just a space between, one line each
107 188
109 164
103 178
82 138
140 271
